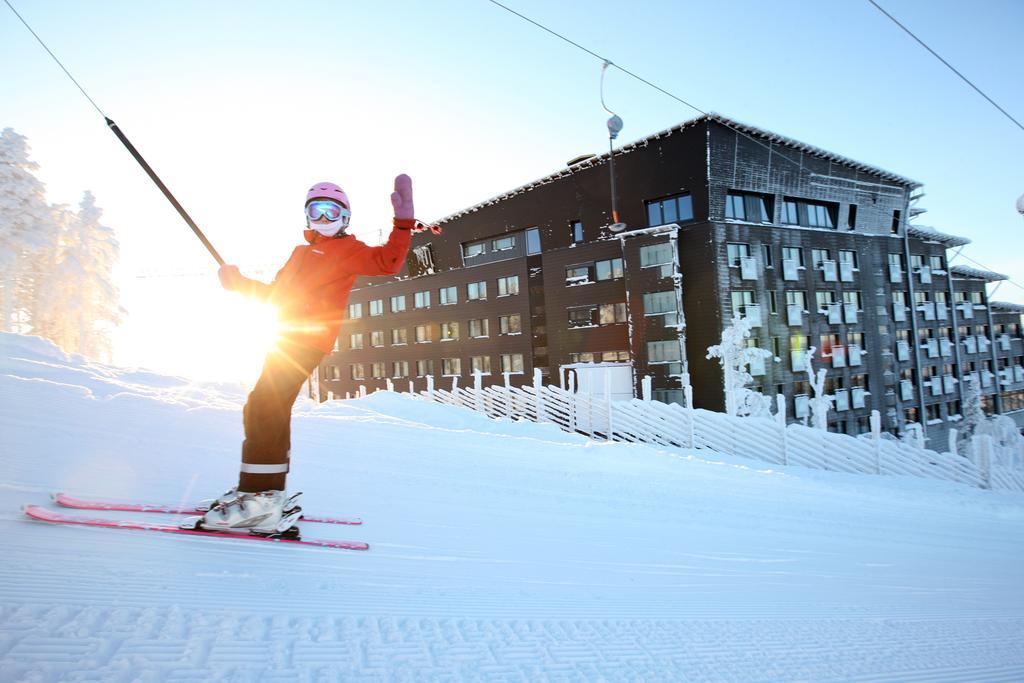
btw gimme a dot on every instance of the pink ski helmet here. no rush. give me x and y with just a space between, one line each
328 191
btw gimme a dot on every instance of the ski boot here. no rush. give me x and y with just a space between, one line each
267 513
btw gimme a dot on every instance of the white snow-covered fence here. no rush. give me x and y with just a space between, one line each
758 438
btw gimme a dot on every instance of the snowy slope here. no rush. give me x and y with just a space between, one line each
499 551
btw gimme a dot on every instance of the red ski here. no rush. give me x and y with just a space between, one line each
64 500
44 515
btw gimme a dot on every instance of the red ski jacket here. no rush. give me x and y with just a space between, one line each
311 290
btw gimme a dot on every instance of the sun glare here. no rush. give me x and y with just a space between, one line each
247 331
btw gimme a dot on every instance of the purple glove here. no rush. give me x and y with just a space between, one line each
401 198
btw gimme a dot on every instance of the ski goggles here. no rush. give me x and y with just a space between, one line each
325 208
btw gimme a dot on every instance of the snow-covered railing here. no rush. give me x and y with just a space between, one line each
765 439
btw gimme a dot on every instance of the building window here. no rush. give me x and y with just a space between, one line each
937 262
449 331
847 256
668 396
422 299
609 270
508 285
818 258
476 291
577 231
355 341
734 207
773 304
377 338
577 275
851 217
358 371
424 368
797 298
512 362
737 251
853 298
503 243
809 214
670 210
748 206
585 357
377 307
399 337
398 304
766 251
478 328
471 249
656 303
422 334
614 356
794 254
825 298
509 324
481 364
895 222
355 311
581 316
533 241
663 351
612 313
399 369
658 255
451 366
741 299
377 369
448 296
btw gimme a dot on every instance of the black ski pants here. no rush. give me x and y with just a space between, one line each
267 415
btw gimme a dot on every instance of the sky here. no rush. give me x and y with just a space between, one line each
240 107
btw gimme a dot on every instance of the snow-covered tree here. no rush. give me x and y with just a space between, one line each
972 412
25 224
820 403
735 357
76 304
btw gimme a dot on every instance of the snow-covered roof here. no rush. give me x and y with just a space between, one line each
747 129
967 271
925 232
1006 307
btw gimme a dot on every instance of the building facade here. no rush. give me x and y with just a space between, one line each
722 219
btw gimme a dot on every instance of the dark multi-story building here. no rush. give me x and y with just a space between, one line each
721 219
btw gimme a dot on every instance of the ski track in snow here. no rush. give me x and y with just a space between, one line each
498 551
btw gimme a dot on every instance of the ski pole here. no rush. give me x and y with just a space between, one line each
163 188
131 148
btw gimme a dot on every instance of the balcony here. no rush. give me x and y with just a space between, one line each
927 309
970 344
854 352
1004 342
842 399
790 269
794 315
752 312
902 350
932 348
1018 373
906 390
899 313
936 384
748 268
895 272
941 312
846 271
925 274
948 384
803 408
945 347
835 313
757 368
966 309
858 396
983 343
850 312
839 356
828 270
797 360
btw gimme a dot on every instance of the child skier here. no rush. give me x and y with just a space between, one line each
310 292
